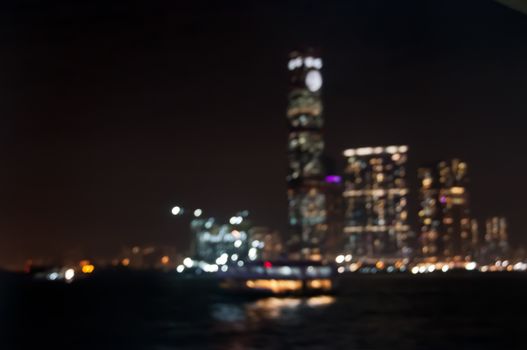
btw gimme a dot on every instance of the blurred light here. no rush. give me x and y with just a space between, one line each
340 259
165 260
69 274
333 179
188 262
340 269
180 268
240 263
470 266
422 269
234 257
125 262
176 210
53 276
445 268
348 257
198 212
88 268
431 268
222 260
224 268
252 254
379 264
268 265
415 270
354 267
238 243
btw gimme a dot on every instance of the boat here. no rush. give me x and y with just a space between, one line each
279 278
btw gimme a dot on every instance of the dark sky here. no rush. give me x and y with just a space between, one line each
113 111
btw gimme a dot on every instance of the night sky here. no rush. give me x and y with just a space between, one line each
114 111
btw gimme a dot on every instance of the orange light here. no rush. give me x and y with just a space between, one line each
165 260
88 268
379 265
125 262
84 263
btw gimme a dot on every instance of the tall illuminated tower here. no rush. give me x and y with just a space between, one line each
375 193
305 178
446 228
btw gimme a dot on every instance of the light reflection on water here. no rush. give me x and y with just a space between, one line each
267 309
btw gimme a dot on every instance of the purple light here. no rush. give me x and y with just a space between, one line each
333 179
442 199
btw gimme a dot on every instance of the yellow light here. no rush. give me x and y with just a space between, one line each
165 260
276 286
457 190
88 268
379 265
125 262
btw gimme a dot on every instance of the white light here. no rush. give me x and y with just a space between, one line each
224 268
340 269
431 268
505 263
470 266
180 268
209 223
422 269
313 80
234 257
309 62
53 276
70 273
349 153
415 270
222 260
252 254
235 220
238 243
445 268
390 269
484 269
364 151
403 149
240 263
239 220
198 212
348 257
210 268
391 149
317 63
255 243
340 259
188 262
176 210
291 64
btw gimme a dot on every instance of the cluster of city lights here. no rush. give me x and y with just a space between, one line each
308 62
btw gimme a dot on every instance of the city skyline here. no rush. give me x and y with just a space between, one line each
97 173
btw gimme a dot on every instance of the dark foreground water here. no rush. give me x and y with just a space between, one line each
159 311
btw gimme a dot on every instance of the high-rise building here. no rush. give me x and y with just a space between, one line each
447 231
495 244
305 178
375 191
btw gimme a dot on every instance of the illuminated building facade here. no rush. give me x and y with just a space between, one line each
446 228
375 192
496 244
305 177
215 240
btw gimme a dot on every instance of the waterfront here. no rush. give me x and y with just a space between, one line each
160 311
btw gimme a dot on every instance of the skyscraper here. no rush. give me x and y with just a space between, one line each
496 244
446 228
376 203
305 178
